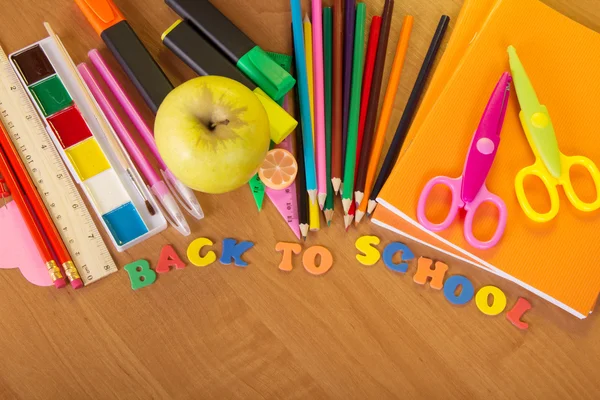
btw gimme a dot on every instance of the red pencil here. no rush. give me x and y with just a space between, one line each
368 81
39 209
364 102
28 216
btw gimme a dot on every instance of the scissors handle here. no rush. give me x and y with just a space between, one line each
568 163
484 196
538 170
455 187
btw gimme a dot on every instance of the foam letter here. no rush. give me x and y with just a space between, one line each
193 253
140 274
389 252
232 251
365 244
515 315
168 258
309 257
467 291
424 272
498 302
288 249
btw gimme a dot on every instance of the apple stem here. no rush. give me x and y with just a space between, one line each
213 125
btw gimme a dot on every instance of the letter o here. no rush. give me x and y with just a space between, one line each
309 256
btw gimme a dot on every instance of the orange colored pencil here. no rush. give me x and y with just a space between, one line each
39 209
386 112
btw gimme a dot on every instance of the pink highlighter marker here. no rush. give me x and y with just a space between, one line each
158 187
185 195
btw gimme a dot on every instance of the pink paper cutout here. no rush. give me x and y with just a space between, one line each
17 248
285 200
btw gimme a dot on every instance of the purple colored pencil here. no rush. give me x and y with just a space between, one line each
348 57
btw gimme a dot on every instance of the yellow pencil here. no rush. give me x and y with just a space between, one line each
314 214
308 40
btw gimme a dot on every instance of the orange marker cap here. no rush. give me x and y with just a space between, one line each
101 14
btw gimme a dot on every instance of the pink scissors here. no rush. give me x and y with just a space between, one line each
469 191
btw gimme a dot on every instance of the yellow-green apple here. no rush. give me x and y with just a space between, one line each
213 133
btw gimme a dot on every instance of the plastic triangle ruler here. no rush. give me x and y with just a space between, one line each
51 177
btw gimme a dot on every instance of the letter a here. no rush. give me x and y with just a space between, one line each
168 258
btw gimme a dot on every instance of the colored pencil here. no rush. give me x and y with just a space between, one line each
328 72
351 213
314 216
301 183
319 79
386 113
353 120
367 81
21 187
313 207
350 26
372 104
348 221
372 48
301 194
409 111
308 46
337 95
300 55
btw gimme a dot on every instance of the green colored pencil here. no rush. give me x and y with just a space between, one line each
357 76
328 53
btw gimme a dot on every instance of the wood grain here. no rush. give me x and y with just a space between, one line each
223 332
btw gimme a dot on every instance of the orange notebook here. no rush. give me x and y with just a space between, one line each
556 260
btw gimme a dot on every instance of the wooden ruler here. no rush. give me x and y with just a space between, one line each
51 177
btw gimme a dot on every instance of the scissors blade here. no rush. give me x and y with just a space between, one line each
535 118
486 139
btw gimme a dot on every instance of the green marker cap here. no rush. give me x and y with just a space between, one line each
266 73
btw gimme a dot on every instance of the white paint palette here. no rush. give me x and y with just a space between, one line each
82 143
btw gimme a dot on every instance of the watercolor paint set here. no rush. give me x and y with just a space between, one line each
117 193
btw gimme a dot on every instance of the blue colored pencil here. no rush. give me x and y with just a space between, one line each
302 87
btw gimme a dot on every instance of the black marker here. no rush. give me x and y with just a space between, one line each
193 49
253 61
130 52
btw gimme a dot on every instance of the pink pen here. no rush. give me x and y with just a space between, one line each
185 195
158 187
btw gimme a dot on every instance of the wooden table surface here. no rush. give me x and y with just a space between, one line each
224 332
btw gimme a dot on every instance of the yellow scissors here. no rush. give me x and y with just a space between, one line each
551 166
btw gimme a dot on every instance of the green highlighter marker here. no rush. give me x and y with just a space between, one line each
535 117
253 61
